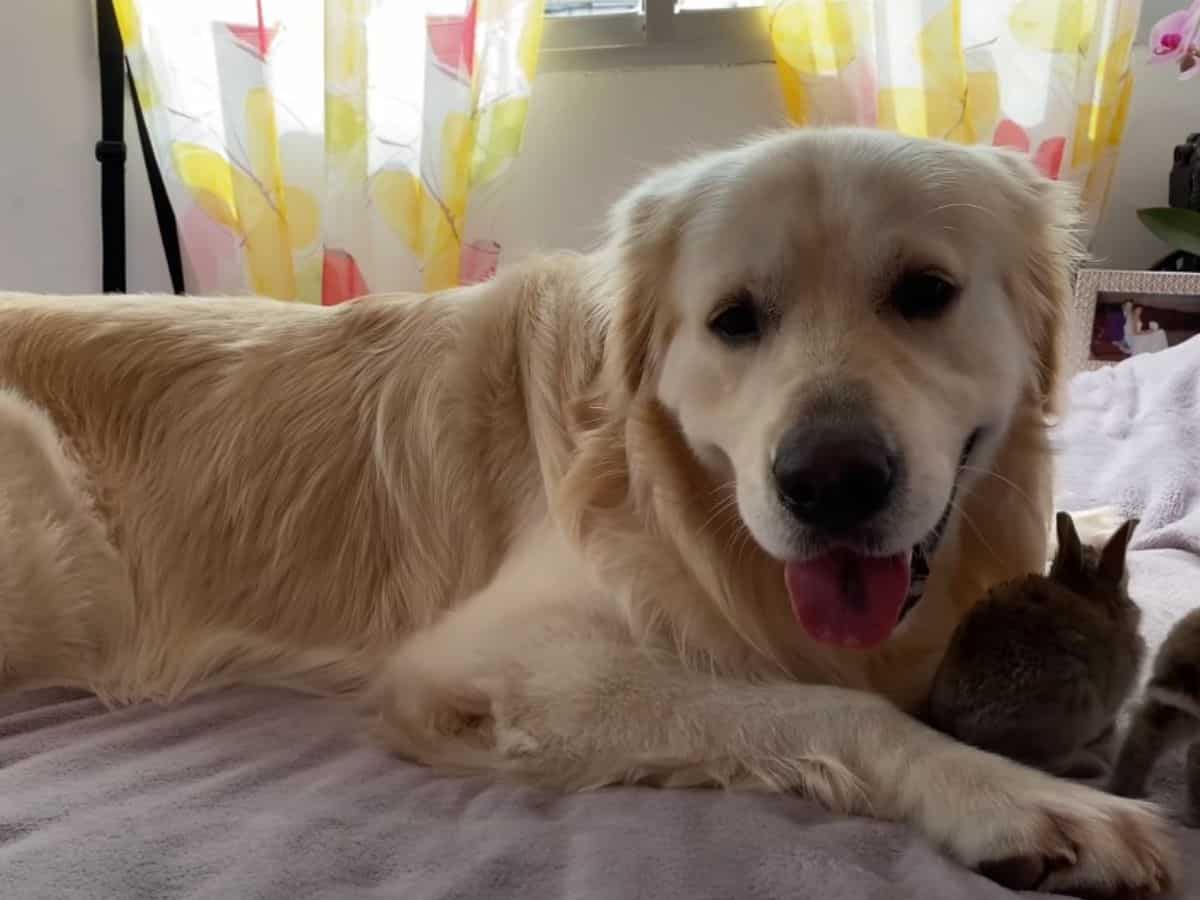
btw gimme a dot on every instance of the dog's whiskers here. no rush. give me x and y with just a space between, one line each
1007 482
961 205
954 504
722 509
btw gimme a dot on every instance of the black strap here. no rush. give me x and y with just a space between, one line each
110 150
111 153
158 192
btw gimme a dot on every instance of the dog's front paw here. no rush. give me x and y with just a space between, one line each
1059 837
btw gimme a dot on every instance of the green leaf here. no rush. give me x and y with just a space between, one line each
1180 228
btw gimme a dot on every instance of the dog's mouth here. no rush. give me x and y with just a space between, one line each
851 599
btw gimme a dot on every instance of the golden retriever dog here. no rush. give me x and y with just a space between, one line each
643 515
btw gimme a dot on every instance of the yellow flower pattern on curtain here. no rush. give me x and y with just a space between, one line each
1049 77
317 150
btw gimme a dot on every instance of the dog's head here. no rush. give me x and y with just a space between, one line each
843 324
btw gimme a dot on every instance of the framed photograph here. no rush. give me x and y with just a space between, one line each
1121 313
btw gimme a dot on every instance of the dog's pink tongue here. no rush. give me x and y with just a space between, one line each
847 599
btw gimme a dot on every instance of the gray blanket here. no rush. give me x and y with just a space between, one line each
254 793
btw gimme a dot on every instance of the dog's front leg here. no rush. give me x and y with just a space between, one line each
577 708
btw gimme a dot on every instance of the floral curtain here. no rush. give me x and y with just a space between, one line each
317 150
1049 77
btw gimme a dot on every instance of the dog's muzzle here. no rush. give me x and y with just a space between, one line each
923 552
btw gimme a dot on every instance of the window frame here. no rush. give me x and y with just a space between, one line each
657 36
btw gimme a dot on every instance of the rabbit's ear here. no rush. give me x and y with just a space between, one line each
1069 557
1112 557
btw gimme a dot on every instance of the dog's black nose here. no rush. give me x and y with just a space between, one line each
834 477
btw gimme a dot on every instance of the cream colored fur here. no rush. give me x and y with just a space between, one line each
531 516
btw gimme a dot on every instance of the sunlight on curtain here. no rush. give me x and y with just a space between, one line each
319 149
1049 77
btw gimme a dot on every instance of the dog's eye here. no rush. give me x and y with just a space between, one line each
737 321
923 295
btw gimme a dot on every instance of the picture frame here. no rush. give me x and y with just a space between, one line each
1163 307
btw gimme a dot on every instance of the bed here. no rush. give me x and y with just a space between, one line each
264 794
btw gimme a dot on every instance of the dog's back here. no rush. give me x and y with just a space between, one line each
267 488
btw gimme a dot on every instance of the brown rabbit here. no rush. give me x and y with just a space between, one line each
1039 668
1168 715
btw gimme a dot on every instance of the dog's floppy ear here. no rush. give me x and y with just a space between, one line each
628 283
1041 285
643 234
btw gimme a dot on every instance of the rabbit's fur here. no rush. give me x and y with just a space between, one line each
1168 715
1040 667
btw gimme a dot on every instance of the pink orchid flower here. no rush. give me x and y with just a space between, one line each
1176 38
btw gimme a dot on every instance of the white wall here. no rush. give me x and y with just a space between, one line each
49 177
590 135
1162 114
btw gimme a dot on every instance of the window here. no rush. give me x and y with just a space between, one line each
591 7
596 34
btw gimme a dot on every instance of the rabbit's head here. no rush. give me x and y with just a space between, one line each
1176 675
1099 575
